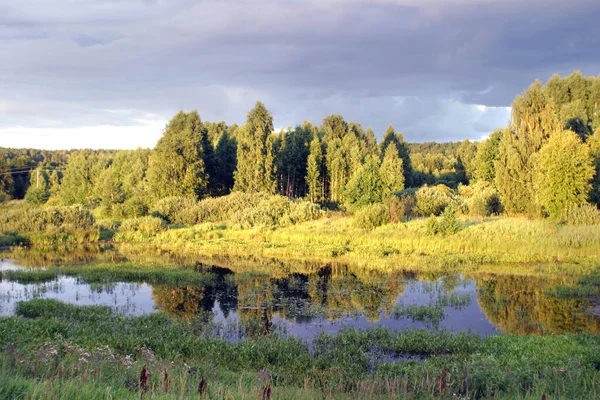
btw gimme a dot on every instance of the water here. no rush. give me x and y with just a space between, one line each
329 300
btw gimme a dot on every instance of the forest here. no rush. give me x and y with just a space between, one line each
546 163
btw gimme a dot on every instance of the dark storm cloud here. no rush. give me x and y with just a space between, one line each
422 65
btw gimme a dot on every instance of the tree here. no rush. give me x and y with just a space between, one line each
255 170
396 138
467 152
366 186
563 173
392 172
6 181
177 163
225 161
314 171
486 158
534 118
80 177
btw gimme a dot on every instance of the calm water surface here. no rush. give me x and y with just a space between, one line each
303 305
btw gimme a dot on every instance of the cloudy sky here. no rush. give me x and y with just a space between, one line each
110 73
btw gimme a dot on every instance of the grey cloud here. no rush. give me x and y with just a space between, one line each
416 64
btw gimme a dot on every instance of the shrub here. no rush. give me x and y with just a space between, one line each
585 214
480 198
133 208
433 200
42 219
371 216
254 209
36 196
446 224
302 211
395 209
140 228
177 210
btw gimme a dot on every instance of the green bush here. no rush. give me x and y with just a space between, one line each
446 224
302 211
140 228
585 214
177 210
433 200
371 216
36 196
480 199
256 209
43 219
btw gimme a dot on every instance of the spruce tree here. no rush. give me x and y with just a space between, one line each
392 172
177 163
255 170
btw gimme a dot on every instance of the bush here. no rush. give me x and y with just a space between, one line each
433 200
254 209
140 228
371 216
446 224
36 196
395 208
43 219
585 214
177 210
480 199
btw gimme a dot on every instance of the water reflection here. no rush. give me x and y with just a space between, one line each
329 299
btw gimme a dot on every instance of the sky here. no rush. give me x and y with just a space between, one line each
111 73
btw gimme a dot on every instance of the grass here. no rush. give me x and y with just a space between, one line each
52 348
103 273
527 243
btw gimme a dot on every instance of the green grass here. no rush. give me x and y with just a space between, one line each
102 273
431 314
51 348
497 240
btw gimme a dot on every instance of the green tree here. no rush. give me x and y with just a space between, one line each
366 186
392 172
177 163
396 138
534 118
487 155
6 181
563 173
79 180
255 170
315 171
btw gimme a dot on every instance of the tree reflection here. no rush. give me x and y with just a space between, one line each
519 304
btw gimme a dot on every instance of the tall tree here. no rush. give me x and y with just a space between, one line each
79 180
392 172
365 186
255 154
314 173
486 158
6 181
177 164
534 118
563 173
397 139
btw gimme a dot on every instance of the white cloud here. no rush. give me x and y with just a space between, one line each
145 135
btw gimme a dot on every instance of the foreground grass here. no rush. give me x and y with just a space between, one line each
55 350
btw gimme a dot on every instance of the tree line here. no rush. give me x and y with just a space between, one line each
546 160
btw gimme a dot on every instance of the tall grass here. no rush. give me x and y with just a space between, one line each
53 346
